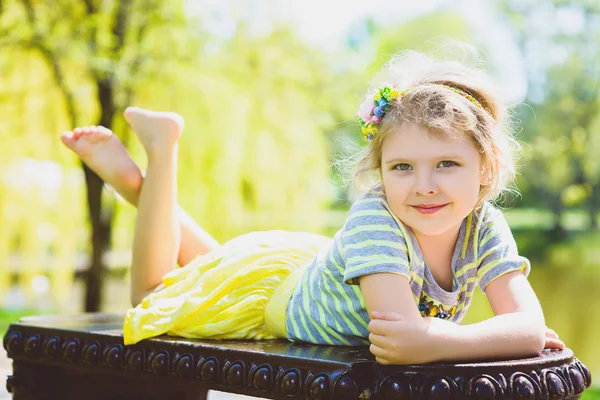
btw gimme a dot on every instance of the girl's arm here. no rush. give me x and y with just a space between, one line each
516 330
387 292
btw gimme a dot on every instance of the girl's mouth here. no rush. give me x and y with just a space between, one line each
429 208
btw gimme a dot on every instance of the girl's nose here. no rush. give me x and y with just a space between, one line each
425 185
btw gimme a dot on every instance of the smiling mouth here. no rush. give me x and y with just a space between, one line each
429 208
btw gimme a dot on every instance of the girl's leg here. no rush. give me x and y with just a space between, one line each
156 238
102 151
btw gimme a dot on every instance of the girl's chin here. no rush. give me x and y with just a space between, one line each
430 229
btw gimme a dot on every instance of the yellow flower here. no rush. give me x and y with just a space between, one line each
394 93
377 96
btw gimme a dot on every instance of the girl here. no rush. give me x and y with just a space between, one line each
399 274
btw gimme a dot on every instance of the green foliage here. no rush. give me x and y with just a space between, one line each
592 393
560 164
424 33
254 154
8 317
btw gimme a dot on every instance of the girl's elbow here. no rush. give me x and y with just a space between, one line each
538 341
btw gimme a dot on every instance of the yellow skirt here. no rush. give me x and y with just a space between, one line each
238 291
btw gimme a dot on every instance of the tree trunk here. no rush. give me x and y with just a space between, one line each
101 233
594 204
556 206
101 215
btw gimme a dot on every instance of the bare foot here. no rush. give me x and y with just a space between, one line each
155 129
104 153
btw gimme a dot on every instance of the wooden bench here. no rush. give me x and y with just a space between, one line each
83 357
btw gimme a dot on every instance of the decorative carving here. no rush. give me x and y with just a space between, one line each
32 345
523 387
556 386
486 387
440 389
235 373
208 371
184 367
319 387
347 387
70 351
397 389
576 380
90 353
291 383
50 347
11 382
13 343
559 382
135 360
113 355
586 373
159 363
263 378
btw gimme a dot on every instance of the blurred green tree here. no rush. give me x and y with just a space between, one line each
255 156
564 80
103 45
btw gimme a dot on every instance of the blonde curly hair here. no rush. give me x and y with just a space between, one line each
444 112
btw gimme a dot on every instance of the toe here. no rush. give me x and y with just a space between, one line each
130 111
68 138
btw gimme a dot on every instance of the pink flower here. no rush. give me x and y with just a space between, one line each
366 108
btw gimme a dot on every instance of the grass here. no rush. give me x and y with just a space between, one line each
528 218
592 393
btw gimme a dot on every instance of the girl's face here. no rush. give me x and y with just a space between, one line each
431 183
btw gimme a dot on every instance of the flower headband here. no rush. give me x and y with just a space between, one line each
373 108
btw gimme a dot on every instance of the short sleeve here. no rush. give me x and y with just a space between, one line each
372 242
498 254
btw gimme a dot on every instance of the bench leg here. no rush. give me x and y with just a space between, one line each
39 382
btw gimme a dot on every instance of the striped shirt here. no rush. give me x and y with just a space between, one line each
327 306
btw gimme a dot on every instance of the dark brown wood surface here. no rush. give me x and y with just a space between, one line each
83 357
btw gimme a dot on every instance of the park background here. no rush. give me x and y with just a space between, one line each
269 90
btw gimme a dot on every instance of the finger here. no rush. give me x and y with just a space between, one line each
551 333
381 327
380 354
552 343
386 315
376 350
382 361
380 341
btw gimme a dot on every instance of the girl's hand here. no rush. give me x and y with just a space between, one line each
396 340
552 340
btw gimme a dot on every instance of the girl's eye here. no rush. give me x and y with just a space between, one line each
446 164
403 167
